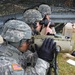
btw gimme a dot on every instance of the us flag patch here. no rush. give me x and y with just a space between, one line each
16 67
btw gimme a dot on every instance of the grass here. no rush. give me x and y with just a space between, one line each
64 67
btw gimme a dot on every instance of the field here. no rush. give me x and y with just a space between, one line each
64 67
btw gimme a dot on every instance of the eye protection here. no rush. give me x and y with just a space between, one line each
29 41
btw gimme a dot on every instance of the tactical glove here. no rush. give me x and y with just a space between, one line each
46 51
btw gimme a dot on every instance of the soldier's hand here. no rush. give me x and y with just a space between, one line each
46 51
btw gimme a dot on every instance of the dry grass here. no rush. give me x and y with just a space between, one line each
64 67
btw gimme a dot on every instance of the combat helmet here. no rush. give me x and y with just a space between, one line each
15 30
44 9
32 15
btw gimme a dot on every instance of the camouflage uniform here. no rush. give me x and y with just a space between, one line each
31 16
7 67
11 57
46 10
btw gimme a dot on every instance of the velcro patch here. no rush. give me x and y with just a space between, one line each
16 67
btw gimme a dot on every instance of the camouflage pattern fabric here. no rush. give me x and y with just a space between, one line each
11 57
9 66
32 15
8 51
15 30
44 9
28 59
39 69
23 59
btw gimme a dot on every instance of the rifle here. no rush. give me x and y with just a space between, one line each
64 45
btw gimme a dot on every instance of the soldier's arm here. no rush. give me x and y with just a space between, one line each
39 69
45 55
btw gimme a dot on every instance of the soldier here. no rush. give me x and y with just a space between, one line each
45 10
17 36
33 18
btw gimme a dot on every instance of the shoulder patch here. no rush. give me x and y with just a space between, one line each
16 67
